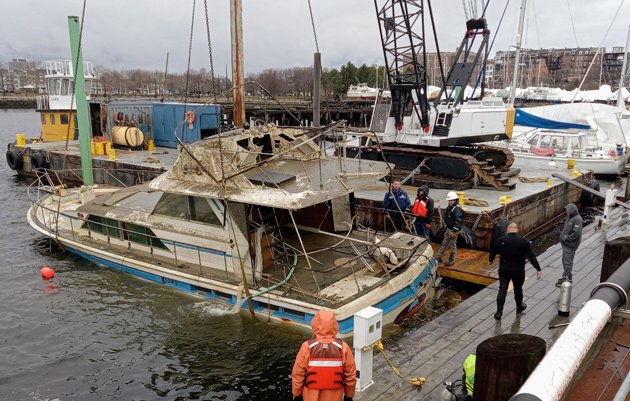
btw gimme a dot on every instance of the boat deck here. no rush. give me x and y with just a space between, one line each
437 349
470 266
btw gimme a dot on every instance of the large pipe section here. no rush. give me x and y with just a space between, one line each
554 373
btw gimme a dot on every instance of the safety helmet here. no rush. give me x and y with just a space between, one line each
451 196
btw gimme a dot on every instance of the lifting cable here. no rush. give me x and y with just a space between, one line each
310 10
213 87
192 24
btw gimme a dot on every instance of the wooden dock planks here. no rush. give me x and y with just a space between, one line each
437 349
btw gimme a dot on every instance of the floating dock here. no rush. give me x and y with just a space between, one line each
437 350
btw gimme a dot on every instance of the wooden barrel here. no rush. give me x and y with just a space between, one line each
503 364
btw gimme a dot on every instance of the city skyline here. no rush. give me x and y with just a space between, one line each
278 34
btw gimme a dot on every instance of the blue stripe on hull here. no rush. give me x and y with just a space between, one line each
405 295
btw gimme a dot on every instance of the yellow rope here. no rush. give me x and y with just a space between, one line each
416 381
534 179
475 202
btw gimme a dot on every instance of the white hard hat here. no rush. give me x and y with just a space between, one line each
451 196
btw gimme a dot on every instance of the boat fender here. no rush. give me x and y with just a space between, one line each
587 198
14 159
190 117
38 161
390 254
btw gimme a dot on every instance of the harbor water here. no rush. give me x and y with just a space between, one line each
95 333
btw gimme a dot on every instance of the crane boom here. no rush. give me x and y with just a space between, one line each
401 48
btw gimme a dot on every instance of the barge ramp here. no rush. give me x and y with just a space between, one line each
437 350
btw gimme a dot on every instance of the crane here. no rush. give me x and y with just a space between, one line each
439 142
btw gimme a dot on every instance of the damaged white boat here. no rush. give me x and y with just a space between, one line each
260 218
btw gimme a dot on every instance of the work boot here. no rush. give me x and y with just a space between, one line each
520 309
559 282
497 316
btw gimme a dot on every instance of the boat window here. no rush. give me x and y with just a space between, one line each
173 205
63 118
201 211
187 207
52 119
64 87
141 235
43 117
103 226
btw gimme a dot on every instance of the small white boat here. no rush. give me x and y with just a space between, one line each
539 147
263 212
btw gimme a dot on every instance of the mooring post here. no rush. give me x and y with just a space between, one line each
503 364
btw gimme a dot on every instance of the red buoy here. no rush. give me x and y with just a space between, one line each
47 273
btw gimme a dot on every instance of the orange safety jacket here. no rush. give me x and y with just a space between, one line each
324 370
419 208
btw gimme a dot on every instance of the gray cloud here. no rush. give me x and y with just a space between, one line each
277 33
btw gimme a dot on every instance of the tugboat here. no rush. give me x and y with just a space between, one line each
258 218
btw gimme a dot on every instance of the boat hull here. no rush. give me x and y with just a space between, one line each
399 298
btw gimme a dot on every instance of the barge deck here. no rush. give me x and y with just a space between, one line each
437 350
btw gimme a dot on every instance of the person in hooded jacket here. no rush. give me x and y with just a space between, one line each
422 208
324 368
570 238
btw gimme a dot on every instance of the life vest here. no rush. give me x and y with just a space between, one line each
419 208
324 370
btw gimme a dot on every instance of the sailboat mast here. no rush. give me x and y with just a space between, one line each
620 101
517 56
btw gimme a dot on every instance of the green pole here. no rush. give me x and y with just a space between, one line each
81 102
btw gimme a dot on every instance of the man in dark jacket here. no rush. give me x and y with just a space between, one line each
395 203
513 250
422 208
453 220
570 240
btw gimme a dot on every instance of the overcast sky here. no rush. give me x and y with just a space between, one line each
128 34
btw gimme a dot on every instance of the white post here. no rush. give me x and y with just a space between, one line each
368 328
610 201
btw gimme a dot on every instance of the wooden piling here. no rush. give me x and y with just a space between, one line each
503 364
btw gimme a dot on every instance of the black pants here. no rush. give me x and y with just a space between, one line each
517 278
397 220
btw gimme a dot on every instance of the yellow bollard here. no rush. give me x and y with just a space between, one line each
576 173
570 164
108 147
151 145
20 139
461 198
93 147
502 200
549 183
112 154
508 198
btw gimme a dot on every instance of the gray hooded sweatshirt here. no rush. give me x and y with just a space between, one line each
572 232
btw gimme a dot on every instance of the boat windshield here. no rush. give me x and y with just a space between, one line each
193 208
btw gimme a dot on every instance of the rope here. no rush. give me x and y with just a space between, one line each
213 86
572 24
475 202
416 381
192 23
310 10
528 180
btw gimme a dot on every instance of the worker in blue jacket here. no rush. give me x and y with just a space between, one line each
395 203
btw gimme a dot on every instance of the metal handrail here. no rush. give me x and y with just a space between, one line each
151 239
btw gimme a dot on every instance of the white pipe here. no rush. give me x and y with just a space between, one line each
554 373
622 394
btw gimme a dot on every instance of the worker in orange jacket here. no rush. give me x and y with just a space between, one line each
324 368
